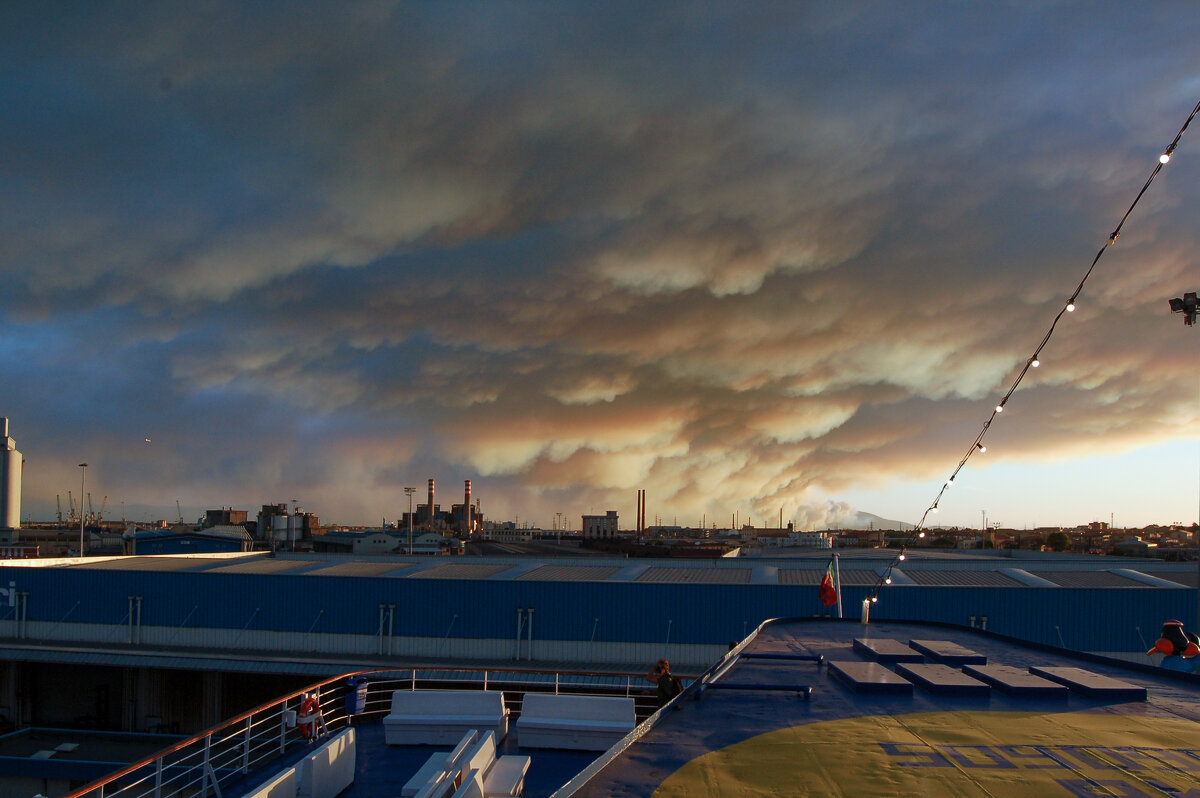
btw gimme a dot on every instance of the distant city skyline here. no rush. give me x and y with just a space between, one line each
750 258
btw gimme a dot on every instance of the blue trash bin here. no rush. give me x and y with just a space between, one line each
356 695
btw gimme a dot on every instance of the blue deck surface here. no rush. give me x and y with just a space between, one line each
743 741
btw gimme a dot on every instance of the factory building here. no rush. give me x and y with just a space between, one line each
11 466
601 526
284 530
225 517
465 519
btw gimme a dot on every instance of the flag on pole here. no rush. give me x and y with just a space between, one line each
830 588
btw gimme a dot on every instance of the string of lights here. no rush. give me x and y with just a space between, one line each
977 446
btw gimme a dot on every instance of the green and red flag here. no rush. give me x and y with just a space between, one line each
829 587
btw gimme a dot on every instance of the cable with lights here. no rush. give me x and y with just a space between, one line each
977 446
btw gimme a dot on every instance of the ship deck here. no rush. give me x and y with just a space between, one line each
749 727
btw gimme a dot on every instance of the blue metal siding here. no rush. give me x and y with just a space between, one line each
1099 619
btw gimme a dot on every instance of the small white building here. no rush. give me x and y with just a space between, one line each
793 539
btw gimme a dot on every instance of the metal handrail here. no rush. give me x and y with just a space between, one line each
231 750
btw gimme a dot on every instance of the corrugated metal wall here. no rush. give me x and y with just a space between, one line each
1091 619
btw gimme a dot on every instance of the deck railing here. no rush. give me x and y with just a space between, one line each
226 759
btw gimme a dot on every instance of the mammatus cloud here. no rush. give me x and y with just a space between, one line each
747 261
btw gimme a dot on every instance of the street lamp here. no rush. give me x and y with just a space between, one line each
410 492
82 476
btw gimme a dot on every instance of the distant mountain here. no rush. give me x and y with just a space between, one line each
864 520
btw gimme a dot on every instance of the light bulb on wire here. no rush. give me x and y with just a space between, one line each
1033 361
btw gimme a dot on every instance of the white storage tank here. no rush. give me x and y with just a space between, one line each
10 480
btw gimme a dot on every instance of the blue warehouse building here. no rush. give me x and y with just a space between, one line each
142 624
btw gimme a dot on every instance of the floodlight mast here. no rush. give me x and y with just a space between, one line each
1189 306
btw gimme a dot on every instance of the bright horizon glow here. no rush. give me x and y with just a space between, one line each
1069 493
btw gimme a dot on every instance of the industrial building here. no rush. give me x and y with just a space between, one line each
605 526
136 620
464 519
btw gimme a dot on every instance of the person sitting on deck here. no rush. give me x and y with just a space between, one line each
668 685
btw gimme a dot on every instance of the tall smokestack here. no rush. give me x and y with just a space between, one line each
431 498
467 516
11 468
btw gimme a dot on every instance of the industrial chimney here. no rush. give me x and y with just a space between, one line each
431 499
10 480
467 515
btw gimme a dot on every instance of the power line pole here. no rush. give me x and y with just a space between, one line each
410 492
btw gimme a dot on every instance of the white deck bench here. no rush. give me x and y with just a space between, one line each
484 774
585 722
442 717
438 765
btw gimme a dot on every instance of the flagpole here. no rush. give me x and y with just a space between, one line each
837 575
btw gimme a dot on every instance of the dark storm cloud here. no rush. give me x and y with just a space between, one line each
753 254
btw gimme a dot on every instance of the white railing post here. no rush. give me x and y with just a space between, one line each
283 710
246 749
556 682
158 774
209 774
485 675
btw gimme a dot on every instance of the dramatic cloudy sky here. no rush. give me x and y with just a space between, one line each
750 257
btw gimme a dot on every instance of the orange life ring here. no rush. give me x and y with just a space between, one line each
309 711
